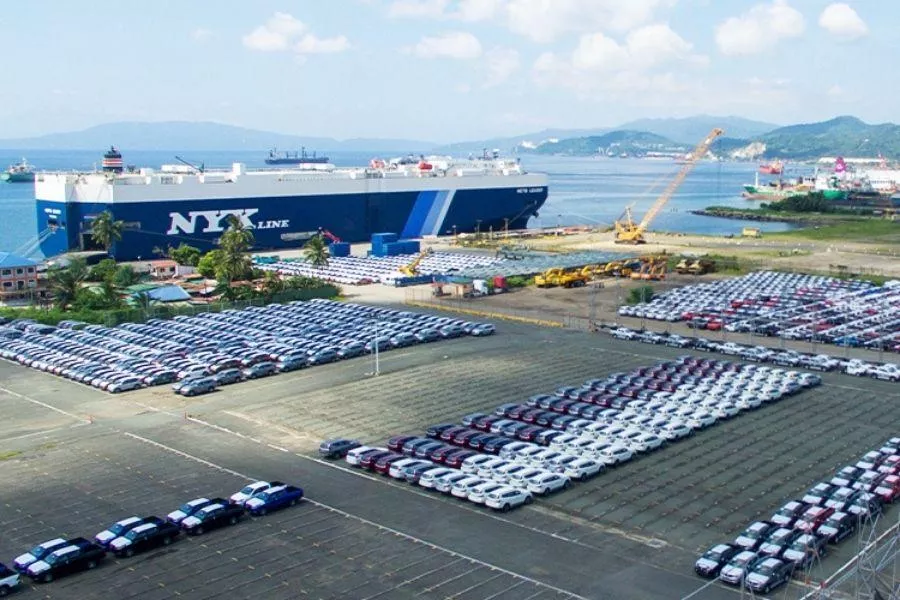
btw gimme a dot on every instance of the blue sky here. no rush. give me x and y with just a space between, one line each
442 70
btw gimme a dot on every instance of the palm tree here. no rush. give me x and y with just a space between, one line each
144 302
105 231
234 244
272 284
66 281
316 251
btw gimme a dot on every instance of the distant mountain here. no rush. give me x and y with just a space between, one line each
187 135
614 142
841 136
690 130
684 131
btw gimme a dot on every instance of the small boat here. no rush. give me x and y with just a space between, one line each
775 168
294 158
19 173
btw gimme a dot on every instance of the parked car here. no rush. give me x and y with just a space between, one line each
23 561
714 559
337 447
212 517
767 575
9 580
189 508
117 529
507 498
151 533
77 555
274 498
250 490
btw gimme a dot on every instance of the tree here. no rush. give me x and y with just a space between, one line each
641 294
272 284
316 251
66 281
104 297
185 255
234 263
144 302
105 231
207 264
126 276
103 270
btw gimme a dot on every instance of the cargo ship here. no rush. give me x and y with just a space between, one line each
294 158
19 173
284 207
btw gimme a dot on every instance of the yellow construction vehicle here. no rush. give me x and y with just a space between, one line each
682 266
629 232
548 278
412 269
702 267
573 278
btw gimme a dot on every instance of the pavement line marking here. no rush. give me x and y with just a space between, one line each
363 520
44 432
44 404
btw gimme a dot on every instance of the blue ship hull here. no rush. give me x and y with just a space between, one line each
287 222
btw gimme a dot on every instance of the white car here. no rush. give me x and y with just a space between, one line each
524 456
430 478
645 442
188 508
675 430
445 483
547 482
488 469
507 498
124 385
617 454
701 419
473 463
545 458
250 490
520 478
858 368
578 425
396 470
582 468
478 494
353 457
462 487
509 451
561 442
888 372
623 333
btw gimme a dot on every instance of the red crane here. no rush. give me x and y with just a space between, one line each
331 237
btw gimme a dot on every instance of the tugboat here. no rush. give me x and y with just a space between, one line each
19 173
294 158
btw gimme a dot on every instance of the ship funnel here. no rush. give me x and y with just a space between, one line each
112 161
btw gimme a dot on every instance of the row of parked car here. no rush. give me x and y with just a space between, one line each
207 350
767 553
357 270
58 557
788 305
778 356
541 445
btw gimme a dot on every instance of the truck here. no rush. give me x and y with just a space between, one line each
9 580
79 555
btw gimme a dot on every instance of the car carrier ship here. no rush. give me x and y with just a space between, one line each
284 207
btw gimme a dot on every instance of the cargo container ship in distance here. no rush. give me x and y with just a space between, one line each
284 207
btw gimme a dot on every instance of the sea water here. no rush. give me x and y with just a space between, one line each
583 190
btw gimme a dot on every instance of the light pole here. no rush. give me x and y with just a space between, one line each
375 346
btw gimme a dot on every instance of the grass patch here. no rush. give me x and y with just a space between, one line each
869 230
9 454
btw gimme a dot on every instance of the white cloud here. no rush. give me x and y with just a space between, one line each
284 32
418 8
843 22
540 20
835 91
546 20
759 29
456 44
478 10
310 44
501 64
201 34
599 63
276 34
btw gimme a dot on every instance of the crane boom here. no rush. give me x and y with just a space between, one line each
627 231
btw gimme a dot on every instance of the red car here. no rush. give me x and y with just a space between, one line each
396 442
891 465
448 434
368 460
889 489
562 406
454 459
383 464
463 437
439 456
484 423
531 415
516 413
813 518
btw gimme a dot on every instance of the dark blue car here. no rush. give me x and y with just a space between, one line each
273 499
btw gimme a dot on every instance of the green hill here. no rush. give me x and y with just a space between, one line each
616 142
841 136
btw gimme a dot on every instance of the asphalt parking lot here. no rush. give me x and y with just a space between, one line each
88 459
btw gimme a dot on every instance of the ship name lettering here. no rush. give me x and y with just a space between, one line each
216 220
280 224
